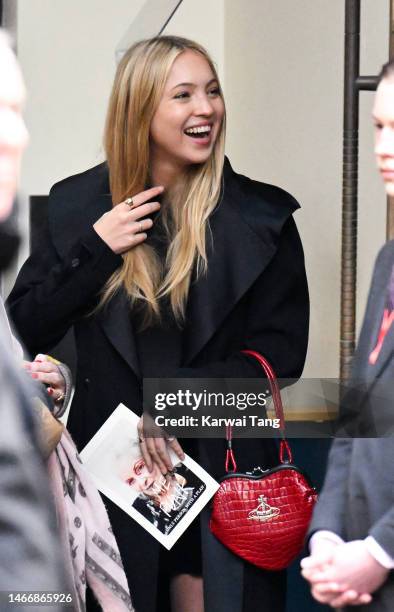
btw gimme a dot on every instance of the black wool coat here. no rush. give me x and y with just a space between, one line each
254 296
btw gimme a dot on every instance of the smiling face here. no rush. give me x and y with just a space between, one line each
188 118
13 133
383 115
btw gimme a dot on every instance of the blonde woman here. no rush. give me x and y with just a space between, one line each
167 262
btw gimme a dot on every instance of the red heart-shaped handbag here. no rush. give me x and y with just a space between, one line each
263 515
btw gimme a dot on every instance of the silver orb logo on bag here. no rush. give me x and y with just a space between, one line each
263 512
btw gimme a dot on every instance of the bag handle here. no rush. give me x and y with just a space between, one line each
285 453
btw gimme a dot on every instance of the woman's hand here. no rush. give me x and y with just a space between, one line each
124 227
154 449
45 369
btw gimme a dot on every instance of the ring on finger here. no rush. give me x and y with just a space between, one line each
141 226
129 202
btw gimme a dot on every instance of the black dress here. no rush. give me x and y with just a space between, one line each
159 349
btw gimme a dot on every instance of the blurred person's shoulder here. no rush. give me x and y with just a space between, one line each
384 263
386 254
382 271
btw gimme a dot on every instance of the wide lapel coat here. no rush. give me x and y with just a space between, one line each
244 233
243 237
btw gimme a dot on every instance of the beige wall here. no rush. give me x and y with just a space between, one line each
281 62
284 86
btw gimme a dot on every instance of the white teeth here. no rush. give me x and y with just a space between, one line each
199 130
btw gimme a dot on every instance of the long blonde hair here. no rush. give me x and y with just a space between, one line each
136 93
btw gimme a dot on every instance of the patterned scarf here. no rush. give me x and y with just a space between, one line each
91 552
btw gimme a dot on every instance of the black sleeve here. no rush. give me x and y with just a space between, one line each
52 292
277 324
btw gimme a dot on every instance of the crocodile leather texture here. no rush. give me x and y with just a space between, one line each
263 516
264 519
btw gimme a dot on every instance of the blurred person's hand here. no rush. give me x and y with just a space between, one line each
349 575
321 557
337 597
45 370
125 226
317 564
